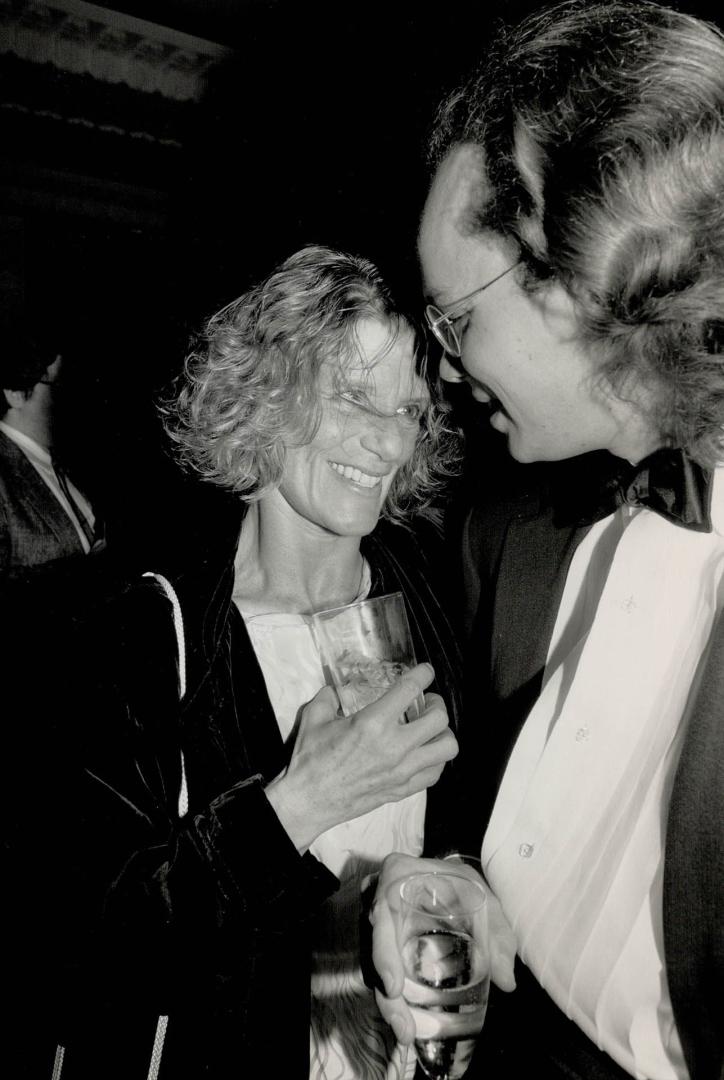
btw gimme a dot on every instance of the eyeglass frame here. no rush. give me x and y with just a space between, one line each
447 317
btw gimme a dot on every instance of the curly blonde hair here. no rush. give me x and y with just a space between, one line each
251 388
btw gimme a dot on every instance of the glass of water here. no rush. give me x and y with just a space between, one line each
365 647
443 936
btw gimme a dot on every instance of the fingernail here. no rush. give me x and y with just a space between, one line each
386 977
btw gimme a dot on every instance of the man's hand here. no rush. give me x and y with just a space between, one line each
344 767
386 954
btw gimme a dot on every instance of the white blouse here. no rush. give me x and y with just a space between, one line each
349 1040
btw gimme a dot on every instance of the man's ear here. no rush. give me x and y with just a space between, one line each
460 186
16 398
53 369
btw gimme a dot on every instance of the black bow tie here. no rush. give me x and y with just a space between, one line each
667 482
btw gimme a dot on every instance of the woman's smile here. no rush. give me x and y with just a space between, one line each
349 472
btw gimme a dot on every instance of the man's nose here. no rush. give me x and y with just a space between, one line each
451 369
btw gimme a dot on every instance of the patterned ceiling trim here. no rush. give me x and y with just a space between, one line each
112 47
43 92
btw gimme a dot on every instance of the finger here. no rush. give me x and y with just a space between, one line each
421 675
395 867
421 781
433 701
502 946
435 751
393 703
385 950
435 708
322 708
398 1016
431 725
425 767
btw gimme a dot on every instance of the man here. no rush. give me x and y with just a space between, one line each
572 248
43 515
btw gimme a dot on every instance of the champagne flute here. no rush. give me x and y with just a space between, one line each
443 936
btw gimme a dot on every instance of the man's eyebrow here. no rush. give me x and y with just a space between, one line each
430 296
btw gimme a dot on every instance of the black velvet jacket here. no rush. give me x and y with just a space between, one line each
121 911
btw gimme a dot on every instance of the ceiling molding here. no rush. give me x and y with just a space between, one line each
110 46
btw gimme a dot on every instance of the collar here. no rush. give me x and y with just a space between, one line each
668 482
29 446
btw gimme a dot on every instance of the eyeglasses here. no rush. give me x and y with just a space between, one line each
441 322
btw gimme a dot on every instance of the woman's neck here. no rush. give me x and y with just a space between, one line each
286 564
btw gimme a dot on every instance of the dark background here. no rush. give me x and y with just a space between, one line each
120 246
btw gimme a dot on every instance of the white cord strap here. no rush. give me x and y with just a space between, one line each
183 799
58 1063
157 1048
183 806
178 623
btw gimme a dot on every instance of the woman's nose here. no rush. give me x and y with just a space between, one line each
384 438
451 369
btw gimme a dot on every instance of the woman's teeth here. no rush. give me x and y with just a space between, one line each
364 479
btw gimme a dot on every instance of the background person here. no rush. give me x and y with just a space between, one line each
43 514
572 248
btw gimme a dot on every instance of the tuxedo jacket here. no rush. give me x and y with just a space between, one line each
517 548
34 527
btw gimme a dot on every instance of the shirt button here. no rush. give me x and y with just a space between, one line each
525 850
582 734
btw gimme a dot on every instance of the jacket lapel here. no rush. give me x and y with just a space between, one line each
533 568
30 491
694 872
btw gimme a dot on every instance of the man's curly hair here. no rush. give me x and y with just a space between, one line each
601 129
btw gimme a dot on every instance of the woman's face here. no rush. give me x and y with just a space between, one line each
339 481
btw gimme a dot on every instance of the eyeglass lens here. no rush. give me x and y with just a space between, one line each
443 330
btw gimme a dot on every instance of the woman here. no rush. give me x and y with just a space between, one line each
309 403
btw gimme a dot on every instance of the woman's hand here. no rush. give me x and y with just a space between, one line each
343 767
386 956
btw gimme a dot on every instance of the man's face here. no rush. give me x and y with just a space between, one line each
521 352
45 393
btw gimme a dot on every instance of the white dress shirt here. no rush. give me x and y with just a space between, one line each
575 845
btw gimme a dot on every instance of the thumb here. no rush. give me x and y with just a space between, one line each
321 709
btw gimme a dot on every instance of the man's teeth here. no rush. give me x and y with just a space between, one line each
355 474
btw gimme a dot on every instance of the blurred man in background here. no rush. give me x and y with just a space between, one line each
43 514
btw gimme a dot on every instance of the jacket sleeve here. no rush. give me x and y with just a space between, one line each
110 886
4 538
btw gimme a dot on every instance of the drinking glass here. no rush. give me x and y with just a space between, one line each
365 647
443 936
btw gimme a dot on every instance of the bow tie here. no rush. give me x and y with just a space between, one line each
667 482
